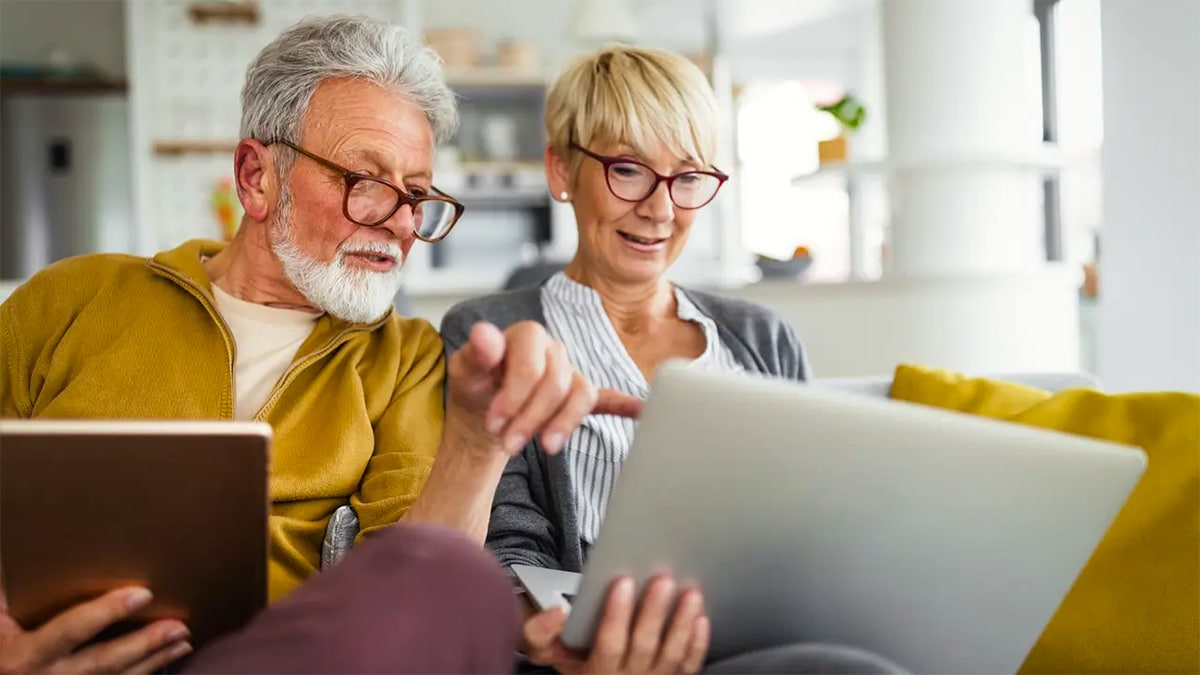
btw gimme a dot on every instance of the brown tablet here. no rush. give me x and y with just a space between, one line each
87 506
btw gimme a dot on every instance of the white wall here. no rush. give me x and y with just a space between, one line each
185 83
1149 313
92 32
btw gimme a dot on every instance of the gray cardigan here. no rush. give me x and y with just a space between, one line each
533 514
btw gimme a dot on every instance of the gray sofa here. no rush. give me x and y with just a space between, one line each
343 526
880 386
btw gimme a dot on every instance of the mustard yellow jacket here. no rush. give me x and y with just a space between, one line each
357 416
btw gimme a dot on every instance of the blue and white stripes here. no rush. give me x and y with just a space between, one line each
596 450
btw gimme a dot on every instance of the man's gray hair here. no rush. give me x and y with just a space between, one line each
282 78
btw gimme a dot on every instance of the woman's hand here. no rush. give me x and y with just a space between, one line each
53 647
625 644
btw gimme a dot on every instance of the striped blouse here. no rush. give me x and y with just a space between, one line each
597 448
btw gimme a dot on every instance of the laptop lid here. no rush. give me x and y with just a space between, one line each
940 540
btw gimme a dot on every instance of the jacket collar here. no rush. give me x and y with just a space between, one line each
184 264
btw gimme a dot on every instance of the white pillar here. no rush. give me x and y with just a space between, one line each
733 261
958 111
1149 309
966 286
869 207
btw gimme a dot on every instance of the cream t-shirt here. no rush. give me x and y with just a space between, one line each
267 340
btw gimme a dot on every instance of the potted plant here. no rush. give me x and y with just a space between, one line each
850 113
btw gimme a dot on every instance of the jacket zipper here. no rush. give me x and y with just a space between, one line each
226 333
295 370
231 348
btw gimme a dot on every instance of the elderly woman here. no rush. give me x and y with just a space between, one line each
632 133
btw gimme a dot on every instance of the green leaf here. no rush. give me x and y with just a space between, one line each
849 111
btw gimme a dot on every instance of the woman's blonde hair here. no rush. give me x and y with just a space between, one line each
633 95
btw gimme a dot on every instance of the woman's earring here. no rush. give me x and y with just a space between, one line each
563 195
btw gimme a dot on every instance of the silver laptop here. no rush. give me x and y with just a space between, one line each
942 541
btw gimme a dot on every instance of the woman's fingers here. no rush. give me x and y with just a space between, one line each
612 638
679 642
647 636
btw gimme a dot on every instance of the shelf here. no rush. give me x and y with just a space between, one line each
496 184
1039 160
499 196
498 166
179 148
502 199
479 197
485 78
219 11
64 85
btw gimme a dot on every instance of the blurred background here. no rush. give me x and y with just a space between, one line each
984 185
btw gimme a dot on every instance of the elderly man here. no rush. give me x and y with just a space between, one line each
291 323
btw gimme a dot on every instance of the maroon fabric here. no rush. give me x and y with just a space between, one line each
413 599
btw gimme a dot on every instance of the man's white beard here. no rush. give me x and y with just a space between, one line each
351 294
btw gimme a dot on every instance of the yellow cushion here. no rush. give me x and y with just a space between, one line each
1135 608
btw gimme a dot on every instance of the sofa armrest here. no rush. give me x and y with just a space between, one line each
880 386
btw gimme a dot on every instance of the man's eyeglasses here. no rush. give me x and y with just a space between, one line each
632 181
370 201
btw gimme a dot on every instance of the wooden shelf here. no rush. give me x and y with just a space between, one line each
65 85
223 12
179 148
493 77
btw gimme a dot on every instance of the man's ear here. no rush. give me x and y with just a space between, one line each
257 179
558 174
